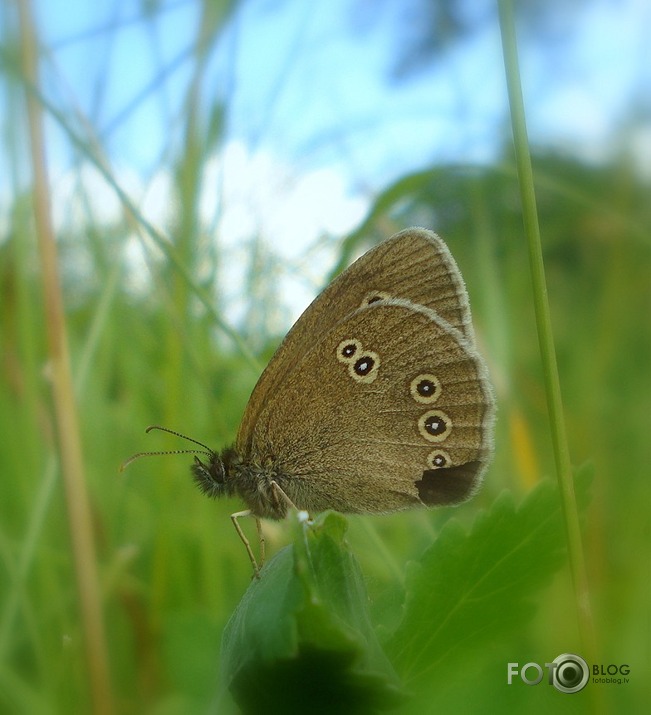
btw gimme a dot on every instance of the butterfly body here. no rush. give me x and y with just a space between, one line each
376 401
228 474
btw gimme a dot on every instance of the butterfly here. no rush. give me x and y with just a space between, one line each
376 401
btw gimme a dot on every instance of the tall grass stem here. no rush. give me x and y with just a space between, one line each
544 328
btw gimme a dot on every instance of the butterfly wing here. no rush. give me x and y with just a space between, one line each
413 265
390 408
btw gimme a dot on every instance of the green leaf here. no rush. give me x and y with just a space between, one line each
301 638
469 588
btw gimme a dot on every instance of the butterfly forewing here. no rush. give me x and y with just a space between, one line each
413 265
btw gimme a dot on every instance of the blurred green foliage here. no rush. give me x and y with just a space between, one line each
173 573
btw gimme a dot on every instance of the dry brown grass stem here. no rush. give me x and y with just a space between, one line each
67 424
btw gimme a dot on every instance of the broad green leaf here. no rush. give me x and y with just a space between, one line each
471 587
301 638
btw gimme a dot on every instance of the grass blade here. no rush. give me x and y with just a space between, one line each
544 327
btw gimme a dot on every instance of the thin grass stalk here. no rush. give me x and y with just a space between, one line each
72 466
545 333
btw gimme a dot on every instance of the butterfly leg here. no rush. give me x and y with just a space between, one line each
261 540
245 541
282 497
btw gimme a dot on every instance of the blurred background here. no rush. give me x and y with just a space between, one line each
211 165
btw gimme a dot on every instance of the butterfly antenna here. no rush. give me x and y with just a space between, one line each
178 434
206 450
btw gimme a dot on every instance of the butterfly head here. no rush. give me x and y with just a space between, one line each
212 475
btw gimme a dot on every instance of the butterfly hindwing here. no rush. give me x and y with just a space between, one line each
389 408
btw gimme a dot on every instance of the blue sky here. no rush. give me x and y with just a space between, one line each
302 80
315 123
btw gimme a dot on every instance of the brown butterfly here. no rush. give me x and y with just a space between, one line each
376 401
